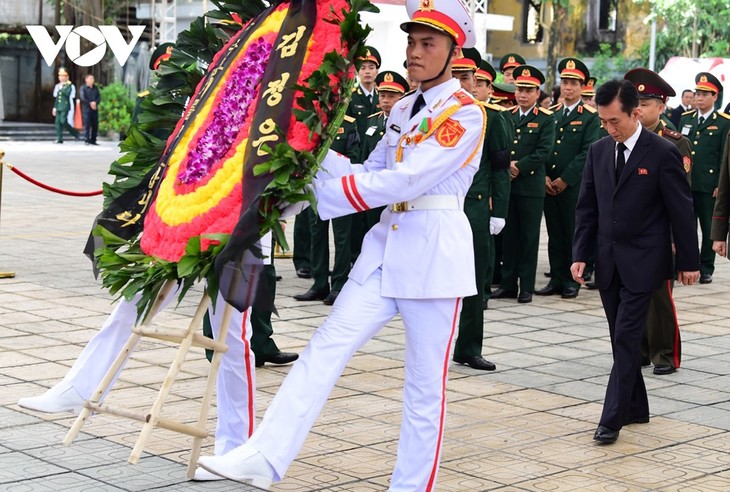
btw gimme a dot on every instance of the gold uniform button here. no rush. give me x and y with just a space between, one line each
515 141
693 152
518 130
554 166
394 227
479 197
561 129
513 152
532 172
555 153
712 171
558 142
695 142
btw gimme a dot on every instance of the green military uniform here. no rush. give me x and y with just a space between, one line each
531 148
708 142
576 128
347 143
661 343
493 168
63 94
361 107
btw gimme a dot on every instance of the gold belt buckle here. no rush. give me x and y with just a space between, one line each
399 207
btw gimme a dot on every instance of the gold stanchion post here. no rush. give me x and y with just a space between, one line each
2 155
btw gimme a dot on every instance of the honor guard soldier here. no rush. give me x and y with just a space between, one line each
364 102
507 65
63 106
417 261
346 142
490 186
530 150
707 129
576 129
662 343
485 78
391 87
588 93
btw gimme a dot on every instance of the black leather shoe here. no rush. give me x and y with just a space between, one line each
591 285
313 295
663 370
548 290
547 274
706 278
569 293
524 297
331 297
587 277
280 358
503 294
604 435
304 273
475 362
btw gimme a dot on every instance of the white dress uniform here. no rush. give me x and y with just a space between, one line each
236 380
418 262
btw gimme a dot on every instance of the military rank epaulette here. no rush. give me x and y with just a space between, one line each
724 115
688 112
349 119
493 106
556 107
375 114
671 134
355 89
514 109
143 94
590 109
546 111
463 97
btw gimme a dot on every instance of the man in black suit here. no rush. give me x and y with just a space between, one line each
688 97
633 196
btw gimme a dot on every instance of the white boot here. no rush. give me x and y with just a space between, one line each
60 398
202 475
243 464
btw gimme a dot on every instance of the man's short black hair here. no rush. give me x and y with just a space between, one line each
687 90
622 89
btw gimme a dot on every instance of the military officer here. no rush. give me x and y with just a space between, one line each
507 65
391 87
485 75
707 130
364 102
662 344
424 163
491 184
576 129
530 150
588 93
63 106
346 142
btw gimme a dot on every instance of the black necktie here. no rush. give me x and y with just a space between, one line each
522 116
702 120
620 159
418 105
566 113
370 98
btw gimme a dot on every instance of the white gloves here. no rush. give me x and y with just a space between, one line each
496 225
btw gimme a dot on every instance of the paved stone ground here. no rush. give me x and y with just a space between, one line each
528 426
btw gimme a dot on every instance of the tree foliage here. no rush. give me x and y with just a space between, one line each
676 24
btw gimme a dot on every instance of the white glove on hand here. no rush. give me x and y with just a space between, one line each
496 225
291 209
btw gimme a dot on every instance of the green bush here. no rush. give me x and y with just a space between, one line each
115 109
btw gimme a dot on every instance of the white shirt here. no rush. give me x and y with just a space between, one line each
706 115
630 143
365 91
571 108
526 112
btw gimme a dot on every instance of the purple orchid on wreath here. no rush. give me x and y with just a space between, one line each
237 95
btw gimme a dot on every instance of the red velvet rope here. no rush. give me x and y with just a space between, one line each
52 188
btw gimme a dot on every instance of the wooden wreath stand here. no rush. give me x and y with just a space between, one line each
186 338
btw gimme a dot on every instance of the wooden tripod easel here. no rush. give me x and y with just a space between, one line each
186 338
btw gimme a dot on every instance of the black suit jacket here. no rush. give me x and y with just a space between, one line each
630 221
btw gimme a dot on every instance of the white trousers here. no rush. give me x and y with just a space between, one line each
359 313
236 376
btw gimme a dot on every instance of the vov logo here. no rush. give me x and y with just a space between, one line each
71 37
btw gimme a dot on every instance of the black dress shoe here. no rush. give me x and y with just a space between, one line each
569 293
587 277
591 285
663 370
706 278
331 297
547 274
279 358
475 362
604 435
304 272
548 290
313 295
524 297
503 294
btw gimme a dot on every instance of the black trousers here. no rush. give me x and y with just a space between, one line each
91 125
626 312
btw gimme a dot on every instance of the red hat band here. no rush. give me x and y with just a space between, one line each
440 21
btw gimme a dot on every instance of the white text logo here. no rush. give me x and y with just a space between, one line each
71 37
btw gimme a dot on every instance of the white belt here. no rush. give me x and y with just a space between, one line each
430 202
